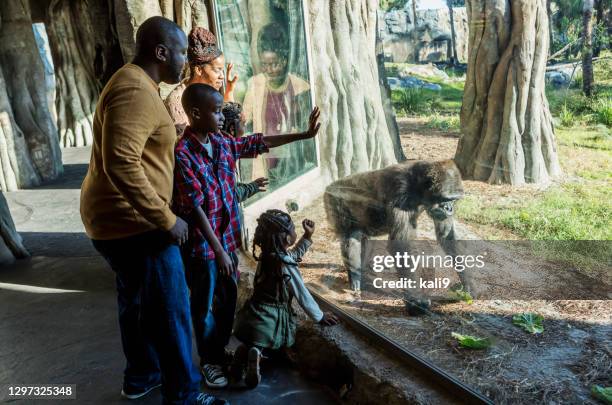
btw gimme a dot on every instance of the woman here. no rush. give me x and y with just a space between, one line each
274 103
206 65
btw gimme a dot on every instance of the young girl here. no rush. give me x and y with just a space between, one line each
267 320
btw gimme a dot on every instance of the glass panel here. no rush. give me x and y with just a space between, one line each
267 45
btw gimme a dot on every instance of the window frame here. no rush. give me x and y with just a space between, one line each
295 189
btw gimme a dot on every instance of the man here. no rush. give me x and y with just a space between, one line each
125 206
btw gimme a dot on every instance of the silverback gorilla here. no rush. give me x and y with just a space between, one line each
390 201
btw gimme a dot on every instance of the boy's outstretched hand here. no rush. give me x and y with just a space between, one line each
309 228
329 319
313 123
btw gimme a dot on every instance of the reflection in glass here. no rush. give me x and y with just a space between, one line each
267 45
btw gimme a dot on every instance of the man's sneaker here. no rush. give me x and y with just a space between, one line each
213 376
128 393
253 376
207 399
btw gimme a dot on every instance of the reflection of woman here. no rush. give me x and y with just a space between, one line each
206 65
274 103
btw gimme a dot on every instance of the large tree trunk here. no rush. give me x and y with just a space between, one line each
11 245
505 120
414 13
30 136
454 59
587 47
354 135
71 40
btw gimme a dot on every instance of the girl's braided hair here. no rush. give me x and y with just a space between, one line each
272 227
231 112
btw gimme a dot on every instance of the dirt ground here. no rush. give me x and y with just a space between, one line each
557 366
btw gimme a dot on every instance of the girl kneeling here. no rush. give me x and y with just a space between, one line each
267 320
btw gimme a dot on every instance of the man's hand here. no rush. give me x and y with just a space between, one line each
225 263
313 123
261 183
329 319
179 232
231 81
309 228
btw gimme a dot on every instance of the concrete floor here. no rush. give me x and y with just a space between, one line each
67 332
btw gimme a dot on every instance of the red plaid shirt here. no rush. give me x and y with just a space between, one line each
200 180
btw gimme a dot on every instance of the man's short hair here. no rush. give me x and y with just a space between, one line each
155 31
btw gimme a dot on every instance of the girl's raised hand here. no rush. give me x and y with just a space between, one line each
309 228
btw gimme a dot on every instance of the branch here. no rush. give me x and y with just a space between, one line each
565 48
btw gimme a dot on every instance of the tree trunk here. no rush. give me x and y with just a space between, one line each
506 124
551 31
587 48
385 90
599 22
11 245
27 126
414 13
354 134
71 40
454 59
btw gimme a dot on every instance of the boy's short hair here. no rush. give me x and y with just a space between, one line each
195 94
231 112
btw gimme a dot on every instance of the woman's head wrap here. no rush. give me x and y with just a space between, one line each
202 46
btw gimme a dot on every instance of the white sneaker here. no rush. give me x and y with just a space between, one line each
213 376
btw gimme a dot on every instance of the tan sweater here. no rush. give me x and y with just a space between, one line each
128 187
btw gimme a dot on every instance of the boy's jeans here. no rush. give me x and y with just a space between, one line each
154 315
213 306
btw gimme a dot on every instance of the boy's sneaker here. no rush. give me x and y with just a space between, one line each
128 393
239 360
214 376
207 399
253 376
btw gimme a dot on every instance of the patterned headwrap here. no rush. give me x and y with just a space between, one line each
202 46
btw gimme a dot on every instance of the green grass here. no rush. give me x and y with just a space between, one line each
443 122
591 137
424 101
568 212
571 107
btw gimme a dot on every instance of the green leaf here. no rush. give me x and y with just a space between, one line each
462 294
530 322
472 342
601 393
465 296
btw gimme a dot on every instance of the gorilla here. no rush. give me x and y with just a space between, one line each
390 201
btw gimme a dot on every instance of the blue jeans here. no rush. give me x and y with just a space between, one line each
154 315
213 306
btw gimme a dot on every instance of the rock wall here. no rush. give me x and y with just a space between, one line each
428 40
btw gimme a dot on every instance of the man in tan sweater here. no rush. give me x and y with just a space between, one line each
125 206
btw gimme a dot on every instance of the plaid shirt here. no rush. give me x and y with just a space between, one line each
200 180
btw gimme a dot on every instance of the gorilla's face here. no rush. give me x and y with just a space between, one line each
442 183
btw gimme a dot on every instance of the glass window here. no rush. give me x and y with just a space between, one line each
267 45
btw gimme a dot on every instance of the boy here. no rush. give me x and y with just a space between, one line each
204 195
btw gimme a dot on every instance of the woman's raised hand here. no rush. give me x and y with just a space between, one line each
231 81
